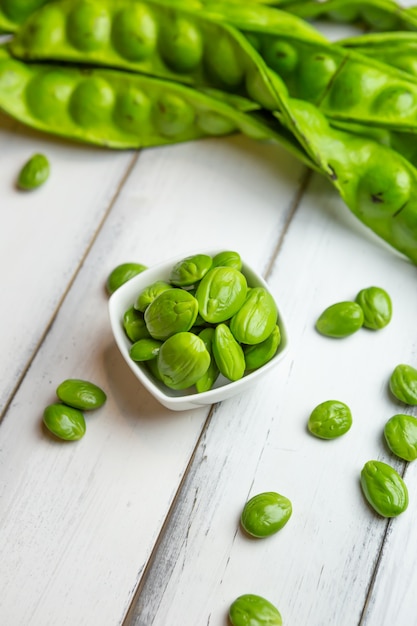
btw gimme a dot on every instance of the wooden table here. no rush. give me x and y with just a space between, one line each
138 522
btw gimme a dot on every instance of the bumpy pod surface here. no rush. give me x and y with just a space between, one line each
171 42
122 110
15 12
111 108
377 183
148 37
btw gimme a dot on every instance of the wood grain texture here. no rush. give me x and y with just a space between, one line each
319 568
44 236
79 522
137 524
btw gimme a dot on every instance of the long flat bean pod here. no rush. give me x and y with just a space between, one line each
124 110
376 183
382 199
344 84
201 48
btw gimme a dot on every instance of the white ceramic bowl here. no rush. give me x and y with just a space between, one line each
122 299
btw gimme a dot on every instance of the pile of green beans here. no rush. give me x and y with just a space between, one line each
136 74
204 321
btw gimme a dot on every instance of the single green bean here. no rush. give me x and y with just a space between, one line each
34 173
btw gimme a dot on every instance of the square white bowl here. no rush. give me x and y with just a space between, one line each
123 299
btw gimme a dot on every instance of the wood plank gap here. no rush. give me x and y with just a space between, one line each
378 563
148 577
69 285
305 181
132 614
374 576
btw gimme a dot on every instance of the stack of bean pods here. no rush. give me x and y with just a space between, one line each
154 72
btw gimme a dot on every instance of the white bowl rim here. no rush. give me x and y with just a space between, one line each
122 299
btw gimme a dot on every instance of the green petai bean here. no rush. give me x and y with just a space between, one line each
121 274
228 258
173 311
190 270
265 514
400 433
403 383
259 354
149 294
134 325
34 173
206 382
81 394
256 318
228 353
384 489
221 293
64 421
145 349
340 320
330 419
376 306
182 360
203 306
253 610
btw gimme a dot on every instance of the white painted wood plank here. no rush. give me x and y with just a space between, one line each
317 570
79 521
392 596
44 235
